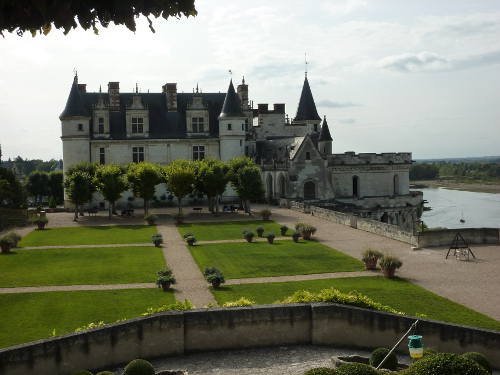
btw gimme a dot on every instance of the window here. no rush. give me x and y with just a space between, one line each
198 152
308 155
246 150
80 127
137 154
355 186
137 125
198 125
242 126
102 156
229 127
100 125
315 127
246 124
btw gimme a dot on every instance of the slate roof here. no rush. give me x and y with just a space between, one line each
325 132
75 106
277 148
307 107
162 124
232 104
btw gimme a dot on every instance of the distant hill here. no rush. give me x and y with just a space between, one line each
476 159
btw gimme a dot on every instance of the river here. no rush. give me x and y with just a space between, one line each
479 209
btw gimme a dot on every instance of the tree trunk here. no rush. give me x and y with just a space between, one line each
76 213
179 199
217 205
110 209
210 204
146 208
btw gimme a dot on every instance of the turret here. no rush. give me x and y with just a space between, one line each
325 139
231 126
306 111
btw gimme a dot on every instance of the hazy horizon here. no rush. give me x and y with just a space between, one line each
413 76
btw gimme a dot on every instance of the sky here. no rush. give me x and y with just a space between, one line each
419 76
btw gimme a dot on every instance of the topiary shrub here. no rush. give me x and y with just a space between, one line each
82 372
260 230
106 373
391 363
139 367
445 364
356 369
14 237
479 359
321 371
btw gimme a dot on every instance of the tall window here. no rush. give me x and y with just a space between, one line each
396 185
198 125
137 154
229 127
315 127
246 124
308 156
80 127
355 186
137 125
100 125
102 156
198 152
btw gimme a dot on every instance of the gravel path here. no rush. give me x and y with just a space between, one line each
313 276
69 288
191 284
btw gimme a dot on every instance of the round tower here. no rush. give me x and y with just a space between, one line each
231 126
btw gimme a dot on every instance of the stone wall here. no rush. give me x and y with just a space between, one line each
445 237
175 333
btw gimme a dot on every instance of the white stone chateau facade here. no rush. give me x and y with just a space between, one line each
295 155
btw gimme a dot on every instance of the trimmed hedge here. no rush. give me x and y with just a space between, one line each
321 371
356 369
445 364
139 367
391 363
479 359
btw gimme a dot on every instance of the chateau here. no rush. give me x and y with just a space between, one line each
295 155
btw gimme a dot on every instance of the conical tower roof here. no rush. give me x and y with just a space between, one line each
307 107
74 104
232 104
325 132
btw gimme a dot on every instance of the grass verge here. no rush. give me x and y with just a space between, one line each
33 316
228 230
396 293
95 265
258 259
96 235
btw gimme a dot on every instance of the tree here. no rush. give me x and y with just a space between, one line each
12 194
87 169
79 188
56 186
212 177
42 15
38 185
142 178
249 185
180 179
111 182
235 165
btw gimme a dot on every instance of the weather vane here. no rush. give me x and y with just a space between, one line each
305 62
231 73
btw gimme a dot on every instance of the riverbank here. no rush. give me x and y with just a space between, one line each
478 187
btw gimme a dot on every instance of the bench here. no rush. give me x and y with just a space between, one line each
199 209
127 212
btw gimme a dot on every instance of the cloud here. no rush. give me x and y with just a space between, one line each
344 7
347 121
432 62
331 104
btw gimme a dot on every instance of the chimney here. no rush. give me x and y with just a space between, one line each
114 96
279 108
82 87
170 89
242 91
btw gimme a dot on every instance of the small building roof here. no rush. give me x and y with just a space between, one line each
307 107
232 104
75 106
325 132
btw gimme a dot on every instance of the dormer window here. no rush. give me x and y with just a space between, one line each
137 125
198 125
308 156
100 125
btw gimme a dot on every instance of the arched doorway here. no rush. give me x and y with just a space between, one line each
385 218
282 186
309 191
396 184
355 186
269 187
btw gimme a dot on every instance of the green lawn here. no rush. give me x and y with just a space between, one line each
397 293
96 265
228 230
32 316
98 235
256 259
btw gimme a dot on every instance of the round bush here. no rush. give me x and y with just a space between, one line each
356 369
445 364
139 367
321 371
105 373
82 372
479 359
379 354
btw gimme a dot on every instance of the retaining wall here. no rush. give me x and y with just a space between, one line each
174 333
445 237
